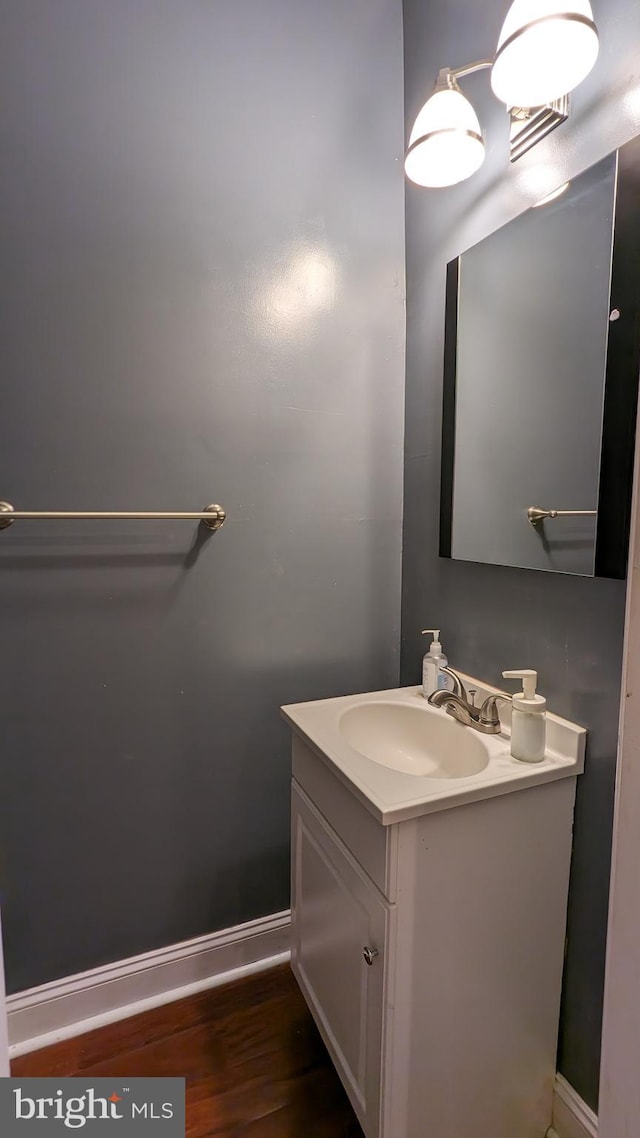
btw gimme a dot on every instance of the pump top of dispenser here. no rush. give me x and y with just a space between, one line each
526 700
435 648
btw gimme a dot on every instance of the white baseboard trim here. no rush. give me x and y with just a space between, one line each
75 1004
572 1118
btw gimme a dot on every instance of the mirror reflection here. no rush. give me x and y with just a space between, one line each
527 376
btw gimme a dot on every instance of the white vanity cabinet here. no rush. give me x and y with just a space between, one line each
430 952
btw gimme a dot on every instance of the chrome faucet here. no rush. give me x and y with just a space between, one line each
460 705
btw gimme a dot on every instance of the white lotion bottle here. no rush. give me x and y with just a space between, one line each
432 677
528 719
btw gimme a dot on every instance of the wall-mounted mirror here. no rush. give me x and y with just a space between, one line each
542 354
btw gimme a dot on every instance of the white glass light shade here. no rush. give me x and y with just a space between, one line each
446 143
546 48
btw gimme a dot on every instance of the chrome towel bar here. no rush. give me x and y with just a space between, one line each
212 517
535 514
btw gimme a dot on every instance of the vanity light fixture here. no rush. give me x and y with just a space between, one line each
545 49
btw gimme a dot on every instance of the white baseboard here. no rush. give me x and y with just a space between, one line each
80 1003
572 1118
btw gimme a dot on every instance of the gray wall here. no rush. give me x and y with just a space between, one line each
570 629
201 218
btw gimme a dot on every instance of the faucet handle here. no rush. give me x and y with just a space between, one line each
489 709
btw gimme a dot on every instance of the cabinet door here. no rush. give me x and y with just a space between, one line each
338 915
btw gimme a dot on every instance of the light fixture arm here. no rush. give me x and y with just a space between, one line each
448 76
480 65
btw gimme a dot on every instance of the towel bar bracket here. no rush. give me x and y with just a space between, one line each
5 508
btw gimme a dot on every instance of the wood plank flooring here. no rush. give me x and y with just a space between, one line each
253 1060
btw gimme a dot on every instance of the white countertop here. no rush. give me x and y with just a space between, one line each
392 796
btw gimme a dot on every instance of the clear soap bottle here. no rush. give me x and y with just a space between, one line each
433 679
528 719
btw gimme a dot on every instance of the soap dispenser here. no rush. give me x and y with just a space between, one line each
433 679
528 723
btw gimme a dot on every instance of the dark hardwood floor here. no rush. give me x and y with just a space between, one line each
253 1060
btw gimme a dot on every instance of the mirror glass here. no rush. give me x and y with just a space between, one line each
529 314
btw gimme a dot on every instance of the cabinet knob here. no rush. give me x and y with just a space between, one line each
369 954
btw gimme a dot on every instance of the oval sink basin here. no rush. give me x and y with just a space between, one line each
414 740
